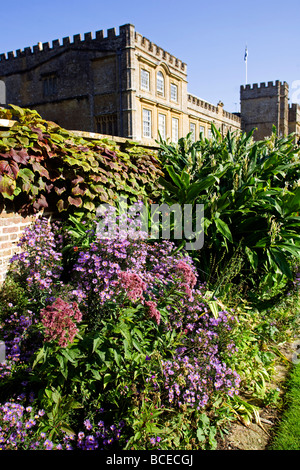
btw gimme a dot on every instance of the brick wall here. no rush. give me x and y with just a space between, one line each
11 227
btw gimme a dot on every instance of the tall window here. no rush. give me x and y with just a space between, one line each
162 125
49 85
202 130
174 129
174 92
160 83
107 124
145 80
146 123
193 131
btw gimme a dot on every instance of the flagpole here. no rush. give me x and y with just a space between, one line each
246 63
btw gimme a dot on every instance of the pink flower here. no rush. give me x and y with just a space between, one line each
188 277
133 284
59 321
154 313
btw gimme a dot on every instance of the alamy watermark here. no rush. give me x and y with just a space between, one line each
155 221
295 96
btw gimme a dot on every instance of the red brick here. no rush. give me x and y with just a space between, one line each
4 245
12 229
5 253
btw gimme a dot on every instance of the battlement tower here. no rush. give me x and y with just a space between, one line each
263 106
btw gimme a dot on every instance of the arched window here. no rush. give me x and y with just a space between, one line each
160 83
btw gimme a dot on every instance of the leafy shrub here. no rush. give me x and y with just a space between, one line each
251 196
44 166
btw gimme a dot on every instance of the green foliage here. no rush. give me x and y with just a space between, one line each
105 362
251 196
56 419
287 436
45 166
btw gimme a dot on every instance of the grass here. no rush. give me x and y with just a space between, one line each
288 433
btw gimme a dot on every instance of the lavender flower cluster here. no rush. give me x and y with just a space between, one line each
20 430
39 259
100 436
114 269
18 427
14 333
110 264
197 370
297 278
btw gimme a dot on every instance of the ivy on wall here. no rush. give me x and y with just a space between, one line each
43 166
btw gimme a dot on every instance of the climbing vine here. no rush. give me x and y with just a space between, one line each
43 166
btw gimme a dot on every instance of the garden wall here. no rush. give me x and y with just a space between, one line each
11 227
13 224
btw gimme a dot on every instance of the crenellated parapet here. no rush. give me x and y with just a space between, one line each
294 107
263 89
206 107
294 112
94 40
159 53
98 40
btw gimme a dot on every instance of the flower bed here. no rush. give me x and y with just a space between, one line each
108 357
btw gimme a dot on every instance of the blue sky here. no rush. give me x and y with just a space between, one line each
210 37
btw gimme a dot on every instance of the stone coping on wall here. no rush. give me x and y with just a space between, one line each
150 144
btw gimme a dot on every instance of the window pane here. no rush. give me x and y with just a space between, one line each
162 125
160 83
173 92
193 131
174 129
49 85
107 124
146 123
145 79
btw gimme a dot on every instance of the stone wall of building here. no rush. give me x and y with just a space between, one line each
263 106
94 84
70 82
294 120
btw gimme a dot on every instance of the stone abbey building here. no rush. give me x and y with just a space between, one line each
125 85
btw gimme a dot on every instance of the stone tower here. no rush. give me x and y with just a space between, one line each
263 106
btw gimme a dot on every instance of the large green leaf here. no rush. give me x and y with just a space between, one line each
223 229
292 203
7 186
176 179
281 261
290 248
196 188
